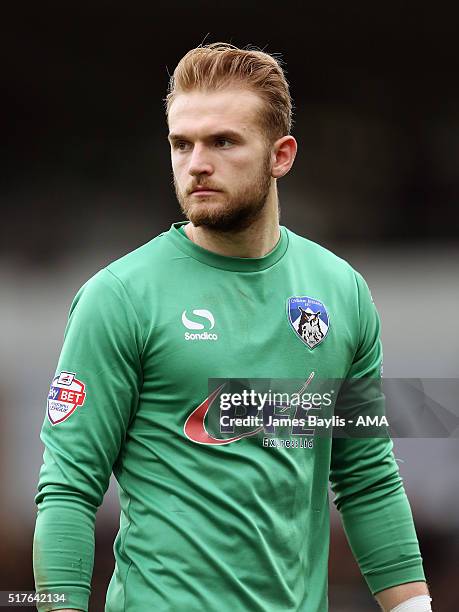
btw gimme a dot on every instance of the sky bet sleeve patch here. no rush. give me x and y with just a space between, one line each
66 393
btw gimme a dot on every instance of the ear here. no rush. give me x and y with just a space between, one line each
301 310
284 151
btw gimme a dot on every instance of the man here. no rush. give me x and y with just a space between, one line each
210 520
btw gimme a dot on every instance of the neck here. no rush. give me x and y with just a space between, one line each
256 240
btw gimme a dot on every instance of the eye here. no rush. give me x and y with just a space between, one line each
223 143
181 145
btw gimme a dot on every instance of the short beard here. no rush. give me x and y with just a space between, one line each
239 211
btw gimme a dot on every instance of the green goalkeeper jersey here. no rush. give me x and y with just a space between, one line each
213 520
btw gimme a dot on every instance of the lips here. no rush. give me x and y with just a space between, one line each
204 191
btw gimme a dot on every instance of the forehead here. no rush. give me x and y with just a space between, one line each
201 111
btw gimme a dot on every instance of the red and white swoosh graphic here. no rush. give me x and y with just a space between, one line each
196 431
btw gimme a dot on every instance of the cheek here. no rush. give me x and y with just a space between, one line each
178 168
246 165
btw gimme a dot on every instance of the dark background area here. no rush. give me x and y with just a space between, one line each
85 177
377 117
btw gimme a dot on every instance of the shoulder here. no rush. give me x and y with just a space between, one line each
330 274
122 279
321 259
130 270
143 261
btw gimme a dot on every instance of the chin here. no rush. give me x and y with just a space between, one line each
206 212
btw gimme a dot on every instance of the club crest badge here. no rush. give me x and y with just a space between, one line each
309 319
65 395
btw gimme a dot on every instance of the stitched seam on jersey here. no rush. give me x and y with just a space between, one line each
133 413
239 271
358 315
126 585
124 552
132 306
210 265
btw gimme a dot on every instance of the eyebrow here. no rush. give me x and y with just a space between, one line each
173 137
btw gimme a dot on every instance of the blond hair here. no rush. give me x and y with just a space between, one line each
219 65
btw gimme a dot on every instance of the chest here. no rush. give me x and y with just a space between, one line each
230 327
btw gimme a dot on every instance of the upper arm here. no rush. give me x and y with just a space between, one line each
365 463
102 347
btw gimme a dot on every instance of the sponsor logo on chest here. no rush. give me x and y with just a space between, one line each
200 322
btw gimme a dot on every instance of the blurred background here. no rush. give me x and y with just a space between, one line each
85 178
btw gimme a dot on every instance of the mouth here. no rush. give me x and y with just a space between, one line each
204 192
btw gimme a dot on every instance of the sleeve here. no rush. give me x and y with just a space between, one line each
92 400
365 479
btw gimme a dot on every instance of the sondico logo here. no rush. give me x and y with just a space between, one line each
210 323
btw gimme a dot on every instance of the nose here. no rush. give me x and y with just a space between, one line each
200 162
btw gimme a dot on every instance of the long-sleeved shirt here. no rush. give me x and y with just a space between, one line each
215 515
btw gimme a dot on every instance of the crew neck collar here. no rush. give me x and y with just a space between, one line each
234 264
